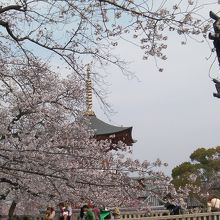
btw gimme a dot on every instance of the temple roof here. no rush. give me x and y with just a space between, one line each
116 134
102 128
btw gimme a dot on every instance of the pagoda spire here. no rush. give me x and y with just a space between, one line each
89 111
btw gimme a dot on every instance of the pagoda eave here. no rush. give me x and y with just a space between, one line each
115 134
122 136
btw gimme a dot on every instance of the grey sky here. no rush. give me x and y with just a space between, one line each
173 112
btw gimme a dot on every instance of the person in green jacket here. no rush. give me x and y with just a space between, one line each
90 214
87 213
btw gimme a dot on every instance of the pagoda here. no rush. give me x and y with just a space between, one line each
103 130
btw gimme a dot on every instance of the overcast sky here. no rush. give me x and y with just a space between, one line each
172 112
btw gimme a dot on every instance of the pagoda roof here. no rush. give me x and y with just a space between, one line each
102 128
103 131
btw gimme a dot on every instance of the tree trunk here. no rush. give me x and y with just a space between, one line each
11 210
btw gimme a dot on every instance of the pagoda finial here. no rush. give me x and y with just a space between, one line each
89 111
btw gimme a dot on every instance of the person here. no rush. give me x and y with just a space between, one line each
96 212
82 213
50 213
69 209
174 209
86 213
106 214
116 213
89 213
63 211
213 204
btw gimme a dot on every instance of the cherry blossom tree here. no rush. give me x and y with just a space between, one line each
46 150
80 31
47 153
35 107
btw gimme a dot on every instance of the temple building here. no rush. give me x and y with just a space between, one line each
102 129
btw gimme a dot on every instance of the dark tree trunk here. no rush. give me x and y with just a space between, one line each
11 210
